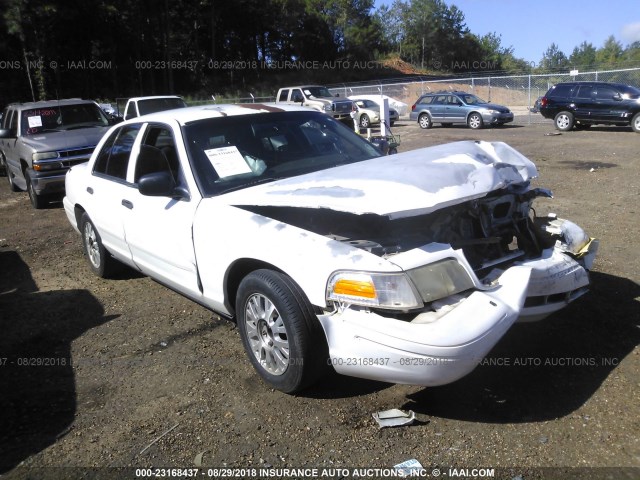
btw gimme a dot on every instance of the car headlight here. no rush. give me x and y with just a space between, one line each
44 156
440 279
328 107
491 112
382 290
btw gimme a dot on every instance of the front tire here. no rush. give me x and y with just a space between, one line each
365 122
475 121
635 123
280 332
37 201
424 120
100 261
564 121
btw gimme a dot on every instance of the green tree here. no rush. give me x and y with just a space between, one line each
553 59
610 53
583 55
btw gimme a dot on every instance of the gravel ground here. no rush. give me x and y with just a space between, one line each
126 373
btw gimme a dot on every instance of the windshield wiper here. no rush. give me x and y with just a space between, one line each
78 127
250 184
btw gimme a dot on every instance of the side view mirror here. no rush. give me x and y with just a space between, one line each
160 184
5 133
617 96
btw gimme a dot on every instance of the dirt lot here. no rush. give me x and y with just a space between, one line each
127 373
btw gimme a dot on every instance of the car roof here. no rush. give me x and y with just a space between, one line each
155 97
51 103
190 114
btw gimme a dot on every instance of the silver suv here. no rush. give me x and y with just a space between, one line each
40 141
458 107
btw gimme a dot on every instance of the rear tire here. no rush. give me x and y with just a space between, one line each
280 332
424 120
364 121
100 260
564 121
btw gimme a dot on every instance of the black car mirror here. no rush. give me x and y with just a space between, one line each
160 184
617 96
5 133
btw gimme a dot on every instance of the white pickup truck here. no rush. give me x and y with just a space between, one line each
318 98
138 106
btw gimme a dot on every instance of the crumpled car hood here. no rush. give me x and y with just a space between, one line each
65 139
401 185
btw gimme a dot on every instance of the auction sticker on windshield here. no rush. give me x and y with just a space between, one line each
227 161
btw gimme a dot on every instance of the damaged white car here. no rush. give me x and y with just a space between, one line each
405 269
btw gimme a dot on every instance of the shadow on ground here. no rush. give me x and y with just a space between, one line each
38 401
548 369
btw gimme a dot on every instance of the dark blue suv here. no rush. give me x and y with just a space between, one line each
582 104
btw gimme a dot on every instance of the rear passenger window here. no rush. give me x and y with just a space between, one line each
284 94
584 91
425 100
113 158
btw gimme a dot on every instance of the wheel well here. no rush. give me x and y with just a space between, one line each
23 166
237 271
471 113
78 211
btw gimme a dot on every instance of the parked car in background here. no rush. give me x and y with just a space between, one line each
40 141
400 107
403 269
583 104
450 108
317 97
536 106
368 113
137 106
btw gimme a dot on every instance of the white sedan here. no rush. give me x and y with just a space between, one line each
405 269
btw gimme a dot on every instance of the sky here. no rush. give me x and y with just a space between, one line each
531 26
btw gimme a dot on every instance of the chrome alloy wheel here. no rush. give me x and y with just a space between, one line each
92 245
267 334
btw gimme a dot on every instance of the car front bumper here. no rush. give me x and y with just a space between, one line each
45 183
441 347
494 118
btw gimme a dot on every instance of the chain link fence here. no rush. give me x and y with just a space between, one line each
518 92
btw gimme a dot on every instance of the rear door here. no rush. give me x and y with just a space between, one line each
108 186
584 102
437 107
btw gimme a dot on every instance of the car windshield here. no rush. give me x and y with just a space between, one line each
63 117
318 92
470 99
235 152
153 105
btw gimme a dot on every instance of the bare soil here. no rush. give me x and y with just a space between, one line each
126 373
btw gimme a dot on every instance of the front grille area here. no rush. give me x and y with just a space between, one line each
77 152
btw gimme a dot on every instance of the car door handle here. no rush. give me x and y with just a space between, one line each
90 190
127 204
